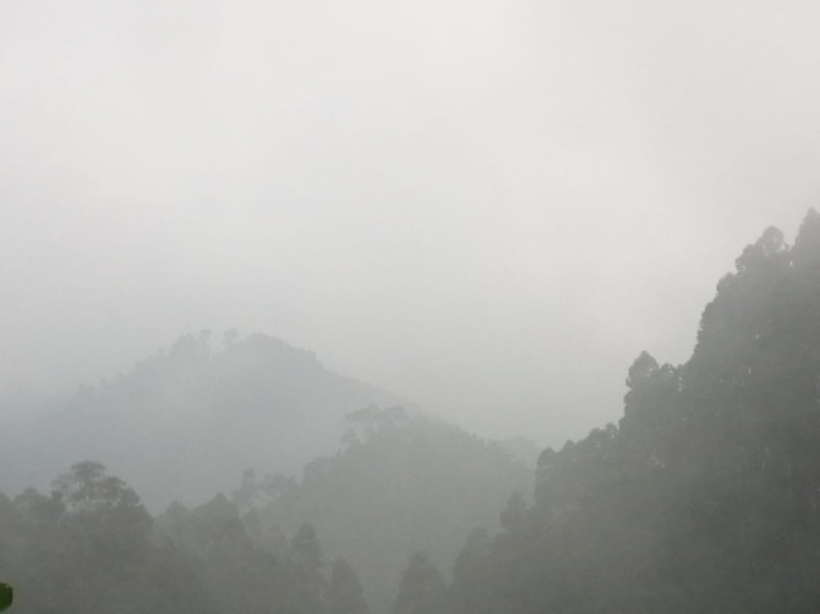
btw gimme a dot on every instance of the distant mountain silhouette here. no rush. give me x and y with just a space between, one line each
188 421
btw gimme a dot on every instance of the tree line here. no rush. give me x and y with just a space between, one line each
704 498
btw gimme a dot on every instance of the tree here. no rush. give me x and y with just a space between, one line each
704 498
515 511
104 513
422 588
474 584
306 549
344 593
307 558
421 485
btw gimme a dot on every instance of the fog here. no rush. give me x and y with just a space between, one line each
487 207
517 330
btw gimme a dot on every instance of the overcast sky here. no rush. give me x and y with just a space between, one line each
489 206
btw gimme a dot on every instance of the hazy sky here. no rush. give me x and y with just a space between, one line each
490 206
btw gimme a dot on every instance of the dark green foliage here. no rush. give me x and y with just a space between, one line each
705 497
6 596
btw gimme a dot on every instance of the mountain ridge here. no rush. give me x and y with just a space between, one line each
196 415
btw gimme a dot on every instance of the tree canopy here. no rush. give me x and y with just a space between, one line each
704 497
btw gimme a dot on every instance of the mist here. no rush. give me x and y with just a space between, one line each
481 205
409 308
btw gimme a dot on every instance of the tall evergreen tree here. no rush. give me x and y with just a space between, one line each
705 497
422 589
344 592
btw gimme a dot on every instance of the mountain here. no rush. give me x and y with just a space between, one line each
187 422
706 495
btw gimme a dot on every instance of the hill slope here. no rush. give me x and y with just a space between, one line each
186 423
706 496
401 485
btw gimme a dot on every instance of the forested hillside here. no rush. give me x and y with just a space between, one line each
706 496
186 423
401 484
91 546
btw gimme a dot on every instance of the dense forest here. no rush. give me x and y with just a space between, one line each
400 484
703 498
91 546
